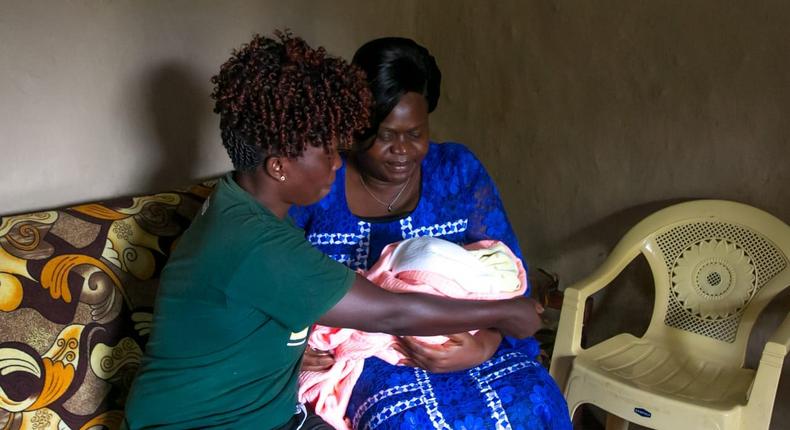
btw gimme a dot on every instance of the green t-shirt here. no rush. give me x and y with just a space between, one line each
232 315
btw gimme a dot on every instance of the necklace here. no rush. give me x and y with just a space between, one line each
394 200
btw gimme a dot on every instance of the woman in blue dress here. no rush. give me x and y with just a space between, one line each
396 185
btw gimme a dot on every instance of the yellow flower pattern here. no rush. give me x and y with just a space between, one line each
91 291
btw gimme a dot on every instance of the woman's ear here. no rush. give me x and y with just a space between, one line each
275 168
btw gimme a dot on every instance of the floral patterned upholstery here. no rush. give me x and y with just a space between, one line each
77 288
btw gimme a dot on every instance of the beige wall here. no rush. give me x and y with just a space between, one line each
589 117
101 99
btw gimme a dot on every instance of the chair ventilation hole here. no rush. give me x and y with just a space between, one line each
767 262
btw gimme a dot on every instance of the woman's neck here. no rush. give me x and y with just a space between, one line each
258 185
370 197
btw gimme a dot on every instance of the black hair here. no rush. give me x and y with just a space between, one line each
395 66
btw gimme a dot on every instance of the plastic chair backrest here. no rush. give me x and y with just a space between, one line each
716 264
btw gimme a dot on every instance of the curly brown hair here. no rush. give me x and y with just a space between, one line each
275 97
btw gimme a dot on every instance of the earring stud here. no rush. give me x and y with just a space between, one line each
282 178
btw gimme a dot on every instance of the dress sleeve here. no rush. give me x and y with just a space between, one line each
487 218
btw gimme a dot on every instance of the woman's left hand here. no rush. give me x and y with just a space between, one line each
461 351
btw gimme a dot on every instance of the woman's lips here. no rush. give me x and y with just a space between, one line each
398 166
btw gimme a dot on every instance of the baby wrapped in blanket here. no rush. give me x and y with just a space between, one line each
485 270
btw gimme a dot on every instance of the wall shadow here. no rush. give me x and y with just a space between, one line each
626 305
607 231
176 104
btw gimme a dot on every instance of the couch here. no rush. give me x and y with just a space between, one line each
77 288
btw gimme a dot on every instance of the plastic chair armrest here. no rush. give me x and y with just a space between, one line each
778 345
621 256
567 344
766 380
569 330
575 296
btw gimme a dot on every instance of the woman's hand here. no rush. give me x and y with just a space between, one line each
315 360
520 317
461 351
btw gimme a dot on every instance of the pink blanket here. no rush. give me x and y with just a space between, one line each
485 270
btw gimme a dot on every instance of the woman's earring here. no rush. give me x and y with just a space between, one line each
282 178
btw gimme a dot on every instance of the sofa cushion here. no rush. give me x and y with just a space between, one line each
77 289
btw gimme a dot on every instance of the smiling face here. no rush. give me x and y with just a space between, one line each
400 143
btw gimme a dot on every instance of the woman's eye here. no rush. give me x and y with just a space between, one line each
385 136
415 134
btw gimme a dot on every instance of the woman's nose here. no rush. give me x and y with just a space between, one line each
399 146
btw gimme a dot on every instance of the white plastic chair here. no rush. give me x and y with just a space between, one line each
716 265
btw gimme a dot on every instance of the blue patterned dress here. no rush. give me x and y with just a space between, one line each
459 202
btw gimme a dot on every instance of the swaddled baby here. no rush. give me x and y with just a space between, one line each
485 270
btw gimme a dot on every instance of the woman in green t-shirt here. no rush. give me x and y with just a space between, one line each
242 288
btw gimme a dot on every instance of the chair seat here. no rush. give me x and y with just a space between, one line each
666 371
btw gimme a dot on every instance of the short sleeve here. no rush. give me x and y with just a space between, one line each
288 279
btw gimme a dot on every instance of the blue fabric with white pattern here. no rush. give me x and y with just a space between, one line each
459 202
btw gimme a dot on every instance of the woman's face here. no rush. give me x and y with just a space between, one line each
400 143
312 174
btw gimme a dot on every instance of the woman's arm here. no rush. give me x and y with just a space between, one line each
369 308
